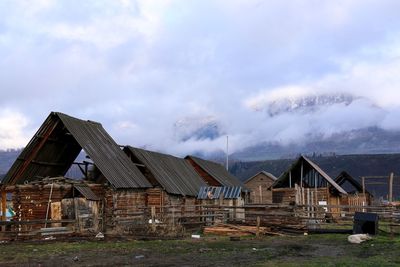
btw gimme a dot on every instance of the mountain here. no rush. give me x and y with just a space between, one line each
7 158
197 128
305 103
371 140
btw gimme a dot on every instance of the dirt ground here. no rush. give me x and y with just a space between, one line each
315 250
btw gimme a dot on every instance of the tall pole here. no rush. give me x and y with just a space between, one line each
227 153
391 187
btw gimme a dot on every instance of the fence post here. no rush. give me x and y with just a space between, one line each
391 187
258 227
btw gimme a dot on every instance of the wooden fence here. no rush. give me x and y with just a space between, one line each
174 221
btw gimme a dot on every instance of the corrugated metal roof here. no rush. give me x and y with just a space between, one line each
86 192
285 175
217 171
58 142
175 175
215 192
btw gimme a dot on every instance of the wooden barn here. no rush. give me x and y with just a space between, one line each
112 186
305 183
259 187
175 182
222 187
212 173
357 194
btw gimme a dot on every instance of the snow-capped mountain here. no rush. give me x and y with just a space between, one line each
197 128
306 103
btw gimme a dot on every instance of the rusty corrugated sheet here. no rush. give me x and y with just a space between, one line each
174 174
217 171
215 192
58 142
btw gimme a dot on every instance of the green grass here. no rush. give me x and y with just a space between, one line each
312 250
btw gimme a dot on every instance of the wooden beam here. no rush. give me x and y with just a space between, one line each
391 187
3 207
301 175
44 163
48 130
363 184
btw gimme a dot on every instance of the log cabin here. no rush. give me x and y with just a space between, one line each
259 185
230 190
305 183
175 183
357 194
111 183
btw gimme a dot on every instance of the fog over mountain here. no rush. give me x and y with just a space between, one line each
279 77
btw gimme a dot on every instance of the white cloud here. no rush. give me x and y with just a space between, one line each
140 66
13 129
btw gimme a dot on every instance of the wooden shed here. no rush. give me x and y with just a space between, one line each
212 173
357 195
259 187
305 183
218 178
109 175
175 182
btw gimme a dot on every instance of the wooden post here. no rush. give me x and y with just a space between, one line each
153 218
3 207
391 187
290 179
363 185
260 189
301 175
258 226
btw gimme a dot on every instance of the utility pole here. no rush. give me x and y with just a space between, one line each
227 153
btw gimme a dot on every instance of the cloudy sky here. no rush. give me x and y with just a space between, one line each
151 71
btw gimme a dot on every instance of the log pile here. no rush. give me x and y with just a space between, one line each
238 230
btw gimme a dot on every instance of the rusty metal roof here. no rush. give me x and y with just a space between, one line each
86 192
58 142
217 171
175 175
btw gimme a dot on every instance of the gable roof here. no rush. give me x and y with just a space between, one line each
57 143
344 176
267 174
175 175
217 171
285 176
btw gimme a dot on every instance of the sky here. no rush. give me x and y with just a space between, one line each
152 71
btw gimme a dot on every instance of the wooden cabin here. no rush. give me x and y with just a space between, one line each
212 173
259 187
305 183
114 186
216 176
175 183
357 195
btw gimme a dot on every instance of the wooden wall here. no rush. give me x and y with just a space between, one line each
123 208
300 196
30 202
258 186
